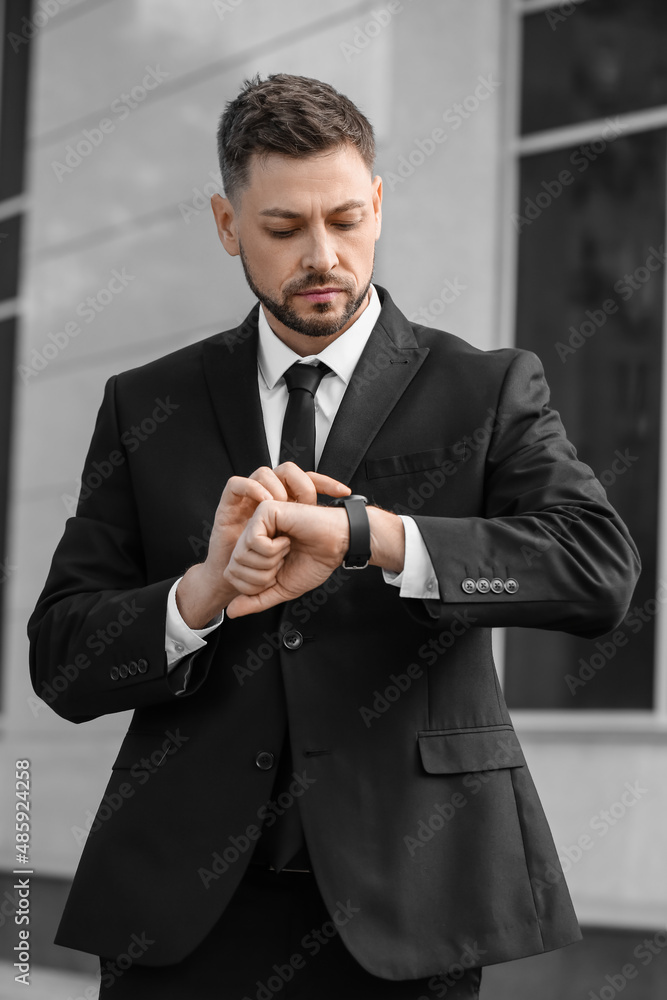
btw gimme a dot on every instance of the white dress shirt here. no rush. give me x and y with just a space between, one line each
274 357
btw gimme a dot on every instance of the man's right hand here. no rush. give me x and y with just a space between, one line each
204 591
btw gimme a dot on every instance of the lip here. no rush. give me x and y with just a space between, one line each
320 294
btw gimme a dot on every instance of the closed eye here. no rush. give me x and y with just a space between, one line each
282 234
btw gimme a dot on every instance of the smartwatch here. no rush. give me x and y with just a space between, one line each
359 552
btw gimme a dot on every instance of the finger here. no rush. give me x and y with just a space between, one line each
252 581
271 482
298 483
265 546
239 487
249 604
325 484
257 560
303 487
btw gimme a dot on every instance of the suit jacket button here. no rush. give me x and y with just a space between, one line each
469 585
497 585
123 671
132 667
113 673
511 586
292 639
483 585
142 666
264 760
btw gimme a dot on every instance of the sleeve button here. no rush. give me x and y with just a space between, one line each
468 585
497 585
511 586
483 585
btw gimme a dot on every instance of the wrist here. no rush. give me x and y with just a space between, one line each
387 539
199 599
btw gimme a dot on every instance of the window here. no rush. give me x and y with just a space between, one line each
590 225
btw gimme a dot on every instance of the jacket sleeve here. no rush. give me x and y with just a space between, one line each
97 634
547 525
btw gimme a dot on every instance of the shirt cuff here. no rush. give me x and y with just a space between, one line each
180 640
417 579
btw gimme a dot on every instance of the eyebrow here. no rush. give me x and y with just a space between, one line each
285 213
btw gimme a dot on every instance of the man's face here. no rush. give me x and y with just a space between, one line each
305 229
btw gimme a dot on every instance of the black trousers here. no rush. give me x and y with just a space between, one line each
276 941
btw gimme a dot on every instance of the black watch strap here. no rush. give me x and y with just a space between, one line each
359 552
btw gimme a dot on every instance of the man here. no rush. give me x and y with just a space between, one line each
320 793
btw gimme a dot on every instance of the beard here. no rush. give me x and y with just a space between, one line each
323 323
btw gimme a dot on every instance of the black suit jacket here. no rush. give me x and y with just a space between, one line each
419 812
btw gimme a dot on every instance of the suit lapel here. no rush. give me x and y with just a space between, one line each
230 369
389 362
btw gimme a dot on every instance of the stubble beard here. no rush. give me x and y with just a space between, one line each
320 325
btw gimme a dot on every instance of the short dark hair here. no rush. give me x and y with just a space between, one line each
292 115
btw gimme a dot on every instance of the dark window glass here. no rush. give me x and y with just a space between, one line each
604 58
14 64
7 357
590 304
10 237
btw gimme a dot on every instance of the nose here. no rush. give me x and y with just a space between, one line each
319 254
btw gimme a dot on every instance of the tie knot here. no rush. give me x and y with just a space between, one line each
304 376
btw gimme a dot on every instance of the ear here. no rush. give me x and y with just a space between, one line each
225 220
377 205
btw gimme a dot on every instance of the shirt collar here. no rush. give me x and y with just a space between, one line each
274 357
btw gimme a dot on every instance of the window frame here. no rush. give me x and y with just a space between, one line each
549 722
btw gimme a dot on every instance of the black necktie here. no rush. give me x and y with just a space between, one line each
298 436
284 842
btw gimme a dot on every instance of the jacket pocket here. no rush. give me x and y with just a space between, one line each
456 751
418 461
136 747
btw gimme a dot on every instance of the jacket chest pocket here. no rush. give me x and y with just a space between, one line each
447 460
412 481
